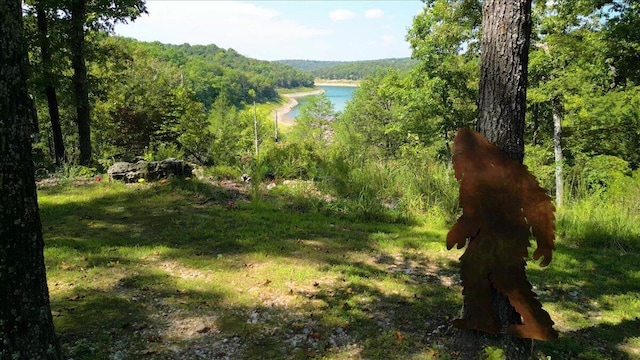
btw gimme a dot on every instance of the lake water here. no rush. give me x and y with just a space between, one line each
338 95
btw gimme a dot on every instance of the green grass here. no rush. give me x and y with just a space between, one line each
193 270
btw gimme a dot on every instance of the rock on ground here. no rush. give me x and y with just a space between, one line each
149 170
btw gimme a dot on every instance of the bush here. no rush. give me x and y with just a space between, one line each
601 171
223 172
541 163
163 151
605 218
295 160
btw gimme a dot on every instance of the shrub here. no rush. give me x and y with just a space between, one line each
294 160
601 171
223 172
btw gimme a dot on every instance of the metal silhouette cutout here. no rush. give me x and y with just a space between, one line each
503 205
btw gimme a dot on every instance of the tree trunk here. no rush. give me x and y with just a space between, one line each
255 127
557 150
506 30
49 87
26 324
81 89
275 137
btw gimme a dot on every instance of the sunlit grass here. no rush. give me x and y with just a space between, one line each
153 270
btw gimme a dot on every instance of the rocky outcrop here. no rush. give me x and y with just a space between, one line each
149 170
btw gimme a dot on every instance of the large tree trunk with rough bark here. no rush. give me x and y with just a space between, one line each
49 84
80 84
26 324
506 30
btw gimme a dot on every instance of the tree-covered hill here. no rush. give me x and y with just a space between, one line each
349 70
202 61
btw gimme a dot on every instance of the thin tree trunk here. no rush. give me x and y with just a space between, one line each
275 138
557 150
506 30
49 87
255 127
80 84
26 324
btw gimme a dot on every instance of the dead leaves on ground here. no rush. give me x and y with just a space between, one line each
503 205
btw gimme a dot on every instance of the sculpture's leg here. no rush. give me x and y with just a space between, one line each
478 313
536 323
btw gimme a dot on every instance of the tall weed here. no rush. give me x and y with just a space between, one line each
607 218
409 187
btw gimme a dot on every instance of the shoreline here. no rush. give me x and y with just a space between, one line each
282 111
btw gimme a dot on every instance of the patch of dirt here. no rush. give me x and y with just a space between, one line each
419 270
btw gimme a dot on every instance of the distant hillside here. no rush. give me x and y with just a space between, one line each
350 70
280 75
214 72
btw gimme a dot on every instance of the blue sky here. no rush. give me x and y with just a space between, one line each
276 30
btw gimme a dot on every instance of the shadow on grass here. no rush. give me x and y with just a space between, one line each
592 286
145 312
114 296
596 342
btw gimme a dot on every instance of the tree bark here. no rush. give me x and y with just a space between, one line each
26 324
506 31
49 85
80 83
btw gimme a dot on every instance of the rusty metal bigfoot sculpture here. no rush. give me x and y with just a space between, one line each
502 205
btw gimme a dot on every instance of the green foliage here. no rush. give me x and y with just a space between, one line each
491 353
292 160
606 219
223 172
213 72
143 104
607 124
314 122
602 171
445 40
374 117
72 172
575 67
349 70
540 162
163 151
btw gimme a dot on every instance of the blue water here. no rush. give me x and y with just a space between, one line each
338 95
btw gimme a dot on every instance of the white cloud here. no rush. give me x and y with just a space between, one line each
341 14
252 30
373 13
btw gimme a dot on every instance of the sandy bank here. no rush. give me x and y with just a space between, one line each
282 111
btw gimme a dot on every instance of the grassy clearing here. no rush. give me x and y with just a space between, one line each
188 270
